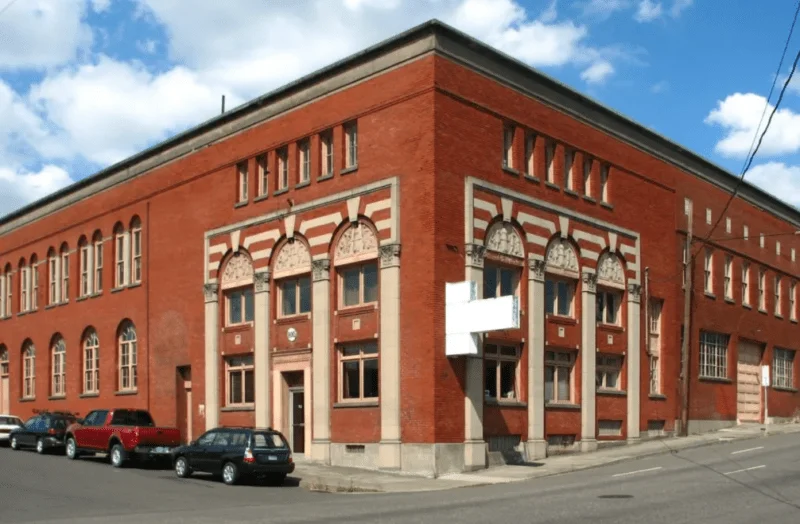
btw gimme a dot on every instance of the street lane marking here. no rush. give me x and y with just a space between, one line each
635 472
745 469
746 450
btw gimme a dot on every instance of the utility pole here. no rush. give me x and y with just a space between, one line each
688 265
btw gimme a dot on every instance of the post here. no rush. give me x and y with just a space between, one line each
536 446
634 361
261 356
474 445
390 357
211 292
321 362
589 362
688 266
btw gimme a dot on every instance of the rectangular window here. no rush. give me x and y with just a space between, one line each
240 373
241 306
745 283
34 287
685 262
608 372
359 285
499 281
708 216
262 168
500 376
794 255
136 237
558 297
351 137
9 293
549 156
728 277
558 368
654 349
569 164
84 271
283 169
241 170
746 233
587 176
713 355
304 152
604 183
64 277
23 289
761 240
778 248
687 207
762 295
53 279
782 368
120 260
326 153
793 301
530 154
709 272
358 371
778 297
728 225
508 147
98 267
295 296
607 310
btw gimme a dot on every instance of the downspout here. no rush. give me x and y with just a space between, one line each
147 304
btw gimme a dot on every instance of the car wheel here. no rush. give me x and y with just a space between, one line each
39 446
14 444
71 449
230 473
117 456
182 469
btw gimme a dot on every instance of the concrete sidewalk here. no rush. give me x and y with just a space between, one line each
317 477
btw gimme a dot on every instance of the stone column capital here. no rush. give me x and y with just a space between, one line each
475 254
321 269
261 280
589 282
634 293
536 269
390 255
211 292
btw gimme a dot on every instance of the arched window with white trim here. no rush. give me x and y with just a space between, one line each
34 283
24 276
136 251
356 261
562 274
238 287
128 354
91 363
97 244
64 272
28 370
292 274
58 367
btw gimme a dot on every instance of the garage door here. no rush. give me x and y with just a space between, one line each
749 383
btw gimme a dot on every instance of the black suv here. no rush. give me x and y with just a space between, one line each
235 453
42 432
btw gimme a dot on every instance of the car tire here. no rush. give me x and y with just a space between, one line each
40 449
71 449
230 473
117 456
182 469
13 443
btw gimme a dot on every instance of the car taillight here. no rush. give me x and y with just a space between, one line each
248 456
51 431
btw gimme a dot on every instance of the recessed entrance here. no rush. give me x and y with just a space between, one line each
748 383
297 417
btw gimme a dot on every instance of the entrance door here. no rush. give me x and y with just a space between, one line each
748 383
297 425
183 401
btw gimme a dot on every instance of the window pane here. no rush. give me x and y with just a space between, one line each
563 384
249 386
550 297
612 308
370 283
564 299
508 351
549 372
371 378
235 387
508 380
235 307
490 379
489 282
249 305
351 279
600 308
305 294
289 295
350 379
506 282
612 377
371 348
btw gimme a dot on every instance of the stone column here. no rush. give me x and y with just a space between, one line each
536 446
321 362
588 361
212 355
474 445
634 360
390 357
261 357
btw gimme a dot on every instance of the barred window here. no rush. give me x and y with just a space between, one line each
782 368
713 355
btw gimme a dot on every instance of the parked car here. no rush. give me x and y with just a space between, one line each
236 453
43 432
8 423
125 434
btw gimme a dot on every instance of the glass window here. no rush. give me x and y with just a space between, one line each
268 441
607 311
241 380
359 371
241 306
713 355
608 372
359 284
558 377
295 296
558 297
500 364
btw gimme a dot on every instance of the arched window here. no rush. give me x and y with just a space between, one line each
97 242
3 362
136 250
562 268
85 250
237 285
127 357
610 288
34 283
292 274
120 256
28 370
52 277
91 362
24 282
356 261
58 366
64 272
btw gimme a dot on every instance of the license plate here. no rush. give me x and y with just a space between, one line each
160 449
272 457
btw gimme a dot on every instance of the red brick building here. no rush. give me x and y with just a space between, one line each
285 264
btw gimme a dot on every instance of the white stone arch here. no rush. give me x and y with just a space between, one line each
293 257
237 271
610 271
503 238
561 258
358 242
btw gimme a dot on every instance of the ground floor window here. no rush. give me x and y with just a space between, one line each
782 364
500 375
655 384
240 383
713 355
558 366
608 372
358 375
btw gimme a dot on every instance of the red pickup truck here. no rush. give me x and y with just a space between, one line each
125 434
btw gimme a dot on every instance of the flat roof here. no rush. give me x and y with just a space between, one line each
432 36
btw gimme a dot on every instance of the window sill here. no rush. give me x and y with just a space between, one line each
233 409
303 184
21 314
607 206
49 306
348 170
611 327
505 403
657 396
357 404
292 319
589 199
238 205
89 395
355 310
793 320
556 405
238 328
118 289
714 379
712 296
784 388
134 285
779 316
280 191
571 193
612 392
557 319
763 311
57 397
730 301
261 198
532 178
28 399
747 306
552 186
326 176
510 171
81 299
127 392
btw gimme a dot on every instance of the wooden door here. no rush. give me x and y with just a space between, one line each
748 383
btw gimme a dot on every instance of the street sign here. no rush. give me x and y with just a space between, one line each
466 317
765 376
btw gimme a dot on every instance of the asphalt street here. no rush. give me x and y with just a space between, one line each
743 482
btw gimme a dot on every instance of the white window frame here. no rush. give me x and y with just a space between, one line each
745 283
587 175
778 296
295 281
262 169
708 216
656 308
98 266
136 253
793 301
282 156
243 175
608 365
23 289
52 274
128 359
58 365
65 276
778 248
728 277
29 371
499 270
91 364
351 143
363 356
762 292
602 299
34 295
570 286
549 158
9 293
746 232
714 355
361 287
508 146
241 365
498 354
530 154
605 173
84 263
728 225
783 368
242 293
561 362
708 272
326 154
120 260
569 168
304 154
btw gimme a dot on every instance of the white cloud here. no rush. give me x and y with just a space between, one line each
602 9
679 7
779 179
100 6
597 73
648 11
659 87
19 188
147 46
355 5
739 115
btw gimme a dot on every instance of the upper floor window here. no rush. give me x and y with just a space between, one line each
295 296
562 275
34 282
530 154
728 281
778 248
654 349
713 355
793 301
709 272
357 265
262 170
569 164
761 240
9 278
728 225
326 153
52 277
687 206
136 251
120 257
85 259
359 284
304 152
240 381
608 372
558 379
746 232
549 157
778 298
237 285
608 303
128 355
97 240
587 175
359 371
91 363
24 283
604 175
242 178
283 168
783 368
559 295
240 304
708 216
762 295
351 143
28 370
745 283
291 272
508 146
58 367
499 281
64 273
501 363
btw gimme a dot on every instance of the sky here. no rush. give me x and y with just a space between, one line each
87 83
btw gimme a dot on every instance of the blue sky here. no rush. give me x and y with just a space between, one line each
85 83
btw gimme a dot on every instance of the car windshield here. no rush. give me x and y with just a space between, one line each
268 441
10 421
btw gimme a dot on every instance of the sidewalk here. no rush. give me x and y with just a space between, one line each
317 477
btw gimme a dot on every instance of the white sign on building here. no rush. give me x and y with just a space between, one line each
467 316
